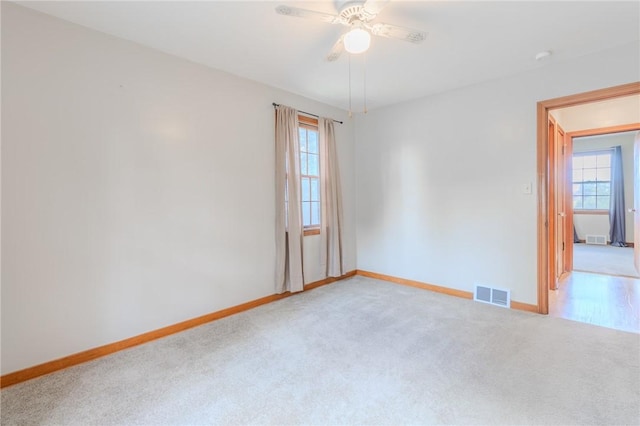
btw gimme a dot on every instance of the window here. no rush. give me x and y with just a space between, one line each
591 180
309 174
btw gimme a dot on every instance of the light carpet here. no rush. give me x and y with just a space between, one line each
604 260
359 351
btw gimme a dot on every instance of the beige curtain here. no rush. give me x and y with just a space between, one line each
289 276
332 218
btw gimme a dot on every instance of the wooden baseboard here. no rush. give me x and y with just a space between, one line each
328 280
524 307
418 284
628 244
91 354
439 289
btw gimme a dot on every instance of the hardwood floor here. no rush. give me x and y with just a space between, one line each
605 300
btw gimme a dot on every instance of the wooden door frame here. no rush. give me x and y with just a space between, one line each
545 165
636 202
552 145
568 199
561 176
556 141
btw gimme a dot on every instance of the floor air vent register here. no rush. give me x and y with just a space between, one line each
596 239
493 296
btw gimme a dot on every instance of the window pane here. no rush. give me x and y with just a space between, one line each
589 188
603 188
577 175
315 213
313 164
303 163
306 214
589 202
577 162
303 139
602 202
577 202
577 189
604 160
589 161
604 174
309 181
306 193
315 189
589 175
313 142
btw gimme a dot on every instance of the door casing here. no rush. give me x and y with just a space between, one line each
546 165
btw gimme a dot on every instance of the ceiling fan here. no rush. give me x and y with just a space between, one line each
358 16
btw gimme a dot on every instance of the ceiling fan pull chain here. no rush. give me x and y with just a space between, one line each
364 78
350 114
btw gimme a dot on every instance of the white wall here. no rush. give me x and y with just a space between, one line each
599 224
439 179
137 189
592 224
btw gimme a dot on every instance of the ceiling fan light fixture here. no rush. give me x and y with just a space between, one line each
357 41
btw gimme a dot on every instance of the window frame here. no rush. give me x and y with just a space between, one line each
591 153
311 123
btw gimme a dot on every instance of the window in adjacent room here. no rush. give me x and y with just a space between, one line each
310 174
591 180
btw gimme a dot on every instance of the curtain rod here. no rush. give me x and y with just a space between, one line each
594 150
308 113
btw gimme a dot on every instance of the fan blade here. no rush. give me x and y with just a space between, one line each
400 33
308 14
336 51
371 8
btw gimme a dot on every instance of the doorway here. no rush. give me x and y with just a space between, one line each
585 193
550 229
594 278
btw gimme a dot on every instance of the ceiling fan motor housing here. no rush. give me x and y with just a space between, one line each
351 11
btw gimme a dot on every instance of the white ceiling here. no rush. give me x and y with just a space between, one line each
468 41
600 114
